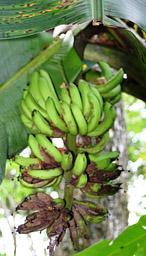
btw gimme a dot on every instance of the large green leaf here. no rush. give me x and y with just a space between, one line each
34 57
27 17
127 243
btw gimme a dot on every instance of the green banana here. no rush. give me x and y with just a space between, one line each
90 206
26 161
115 99
106 70
65 95
44 74
34 146
51 183
47 92
49 147
54 116
30 185
75 95
101 157
69 118
111 167
25 110
79 118
28 123
82 180
112 83
95 114
98 147
94 90
45 174
42 124
25 91
59 179
34 90
32 105
114 92
85 90
95 190
90 216
106 123
67 161
80 164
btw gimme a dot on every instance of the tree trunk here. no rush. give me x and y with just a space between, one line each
117 205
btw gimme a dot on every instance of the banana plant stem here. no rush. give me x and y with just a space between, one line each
68 191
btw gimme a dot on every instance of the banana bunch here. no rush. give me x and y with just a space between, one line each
95 176
111 89
49 211
83 212
86 112
33 105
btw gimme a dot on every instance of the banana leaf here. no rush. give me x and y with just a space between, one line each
18 59
22 18
130 242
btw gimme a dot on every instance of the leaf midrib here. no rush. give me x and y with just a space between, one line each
43 56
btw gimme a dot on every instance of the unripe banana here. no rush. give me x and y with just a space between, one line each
49 147
85 90
94 190
26 161
90 206
80 164
98 147
111 167
34 90
115 99
67 161
54 116
42 125
34 146
106 70
47 92
59 179
51 183
32 105
65 95
25 91
28 123
99 157
106 123
25 110
112 83
79 118
95 114
45 174
89 216
75 95
82 180
94 90
45 75
69 118
36 185
113 93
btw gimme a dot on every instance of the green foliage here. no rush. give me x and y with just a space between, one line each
130 242
16 73
26 18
